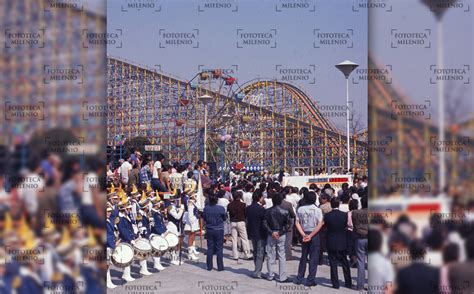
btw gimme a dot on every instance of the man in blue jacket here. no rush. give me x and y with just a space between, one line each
214 216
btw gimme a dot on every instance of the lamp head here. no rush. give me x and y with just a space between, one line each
438 7
205 99
346 67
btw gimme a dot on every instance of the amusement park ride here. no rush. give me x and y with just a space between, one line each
260 124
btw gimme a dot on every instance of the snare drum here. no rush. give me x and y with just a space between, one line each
159 245
142 248
122 256
172 240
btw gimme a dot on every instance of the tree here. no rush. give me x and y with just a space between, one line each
457 105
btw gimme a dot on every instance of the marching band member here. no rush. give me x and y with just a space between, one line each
110 243
143 218
135 197
28 279
175 214
144 229
127 232
191 219
68 274
158 227
49 241
113 200
149 191
91 271
92 266
8 273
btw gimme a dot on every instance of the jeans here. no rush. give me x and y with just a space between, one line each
361 250
238 230
258 255
276 249
336 256
309 249
156 185
215 245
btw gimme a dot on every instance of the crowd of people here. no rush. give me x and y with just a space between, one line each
262 219
54 229
52 225
436 258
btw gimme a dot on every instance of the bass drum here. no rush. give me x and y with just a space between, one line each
122 256
159 245
173 241
142 249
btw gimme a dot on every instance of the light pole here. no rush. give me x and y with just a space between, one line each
439 7
346 67
205 100
225 119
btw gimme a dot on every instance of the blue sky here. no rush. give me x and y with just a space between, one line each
218 37
411 64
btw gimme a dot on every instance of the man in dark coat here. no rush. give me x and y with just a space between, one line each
418 277
336 223
255 214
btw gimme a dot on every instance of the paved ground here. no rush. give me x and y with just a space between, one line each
194 278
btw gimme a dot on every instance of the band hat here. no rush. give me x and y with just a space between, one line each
4 258
65 245
134 191
144 198
148 188
66 251
111 189
49 234
156 202
48 227
124 205
143 204
150 192
136 195
112 195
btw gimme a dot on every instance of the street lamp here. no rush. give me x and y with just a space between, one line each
205 100
439 8
346 67
224 138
